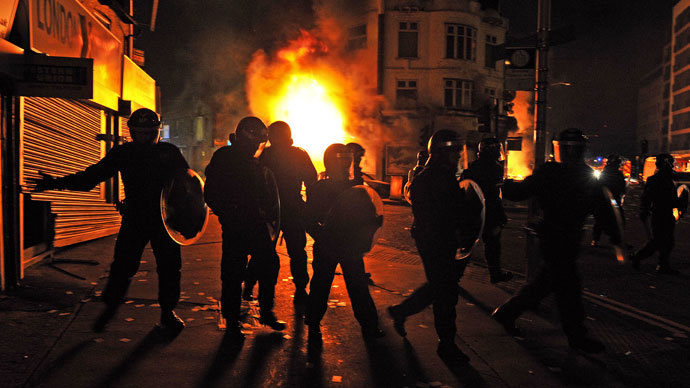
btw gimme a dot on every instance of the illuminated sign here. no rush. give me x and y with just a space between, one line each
46 76
7 11
138 86
65 28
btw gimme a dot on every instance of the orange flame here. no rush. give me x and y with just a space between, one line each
298 88
520 162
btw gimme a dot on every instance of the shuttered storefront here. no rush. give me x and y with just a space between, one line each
59 138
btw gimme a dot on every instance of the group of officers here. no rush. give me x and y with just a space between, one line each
236 191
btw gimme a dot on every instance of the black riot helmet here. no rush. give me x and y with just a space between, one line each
280 134
357 151
665 162
337 159
444 149
490 148
613 162
569 148
144 126
250 132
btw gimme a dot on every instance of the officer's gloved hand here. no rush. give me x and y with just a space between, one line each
46 182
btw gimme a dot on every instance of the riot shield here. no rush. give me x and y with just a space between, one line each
406 192
352 222
474 214
270 205
682 192
610 216
183 210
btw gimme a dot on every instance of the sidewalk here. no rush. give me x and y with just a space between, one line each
47 341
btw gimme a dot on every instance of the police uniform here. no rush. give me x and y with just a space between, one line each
614 180
567 194
488 173
320 199
437 206
236 193
291 167
145 169
659 198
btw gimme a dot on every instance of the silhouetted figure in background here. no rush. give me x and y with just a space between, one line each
292 167
357 154
487 171
567 193
320 199
437 205
659 198
422 157
613 179
236 192
146 166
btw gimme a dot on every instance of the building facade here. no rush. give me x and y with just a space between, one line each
436 67
679 120
67 84
650 111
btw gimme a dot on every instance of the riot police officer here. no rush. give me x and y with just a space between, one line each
292 168
437 206
146 166
613 179
487 171
659 198
567 192
235 191
422 157
320 199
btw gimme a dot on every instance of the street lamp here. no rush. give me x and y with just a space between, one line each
561 83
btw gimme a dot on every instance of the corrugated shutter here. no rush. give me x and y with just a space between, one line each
60 139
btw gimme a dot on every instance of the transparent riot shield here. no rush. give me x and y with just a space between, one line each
474 214
183 210
352 222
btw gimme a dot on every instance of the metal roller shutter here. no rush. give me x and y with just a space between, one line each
59 138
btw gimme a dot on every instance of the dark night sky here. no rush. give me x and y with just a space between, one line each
205 46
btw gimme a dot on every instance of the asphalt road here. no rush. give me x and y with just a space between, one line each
642 316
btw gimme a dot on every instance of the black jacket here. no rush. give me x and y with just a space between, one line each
488 174
145 169
291 167
659 196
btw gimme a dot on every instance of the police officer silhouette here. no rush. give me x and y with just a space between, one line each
613 179
235 191
146 166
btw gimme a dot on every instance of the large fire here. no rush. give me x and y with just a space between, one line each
520 163
298 88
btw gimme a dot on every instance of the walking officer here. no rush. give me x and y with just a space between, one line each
437 206
320 200
567 192
659 198
292 167
146 166
235 191
487 171
613 179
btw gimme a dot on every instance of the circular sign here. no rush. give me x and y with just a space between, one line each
520 58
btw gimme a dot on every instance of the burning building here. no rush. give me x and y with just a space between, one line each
386 74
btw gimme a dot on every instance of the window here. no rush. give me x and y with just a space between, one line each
407 40
458 94
406 94
357 37
461 42
165 131
491 92
490 52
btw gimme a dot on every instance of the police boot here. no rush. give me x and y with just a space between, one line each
106 315
506 318
171 322
270 320
500 276
585 343
449 352
398 320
